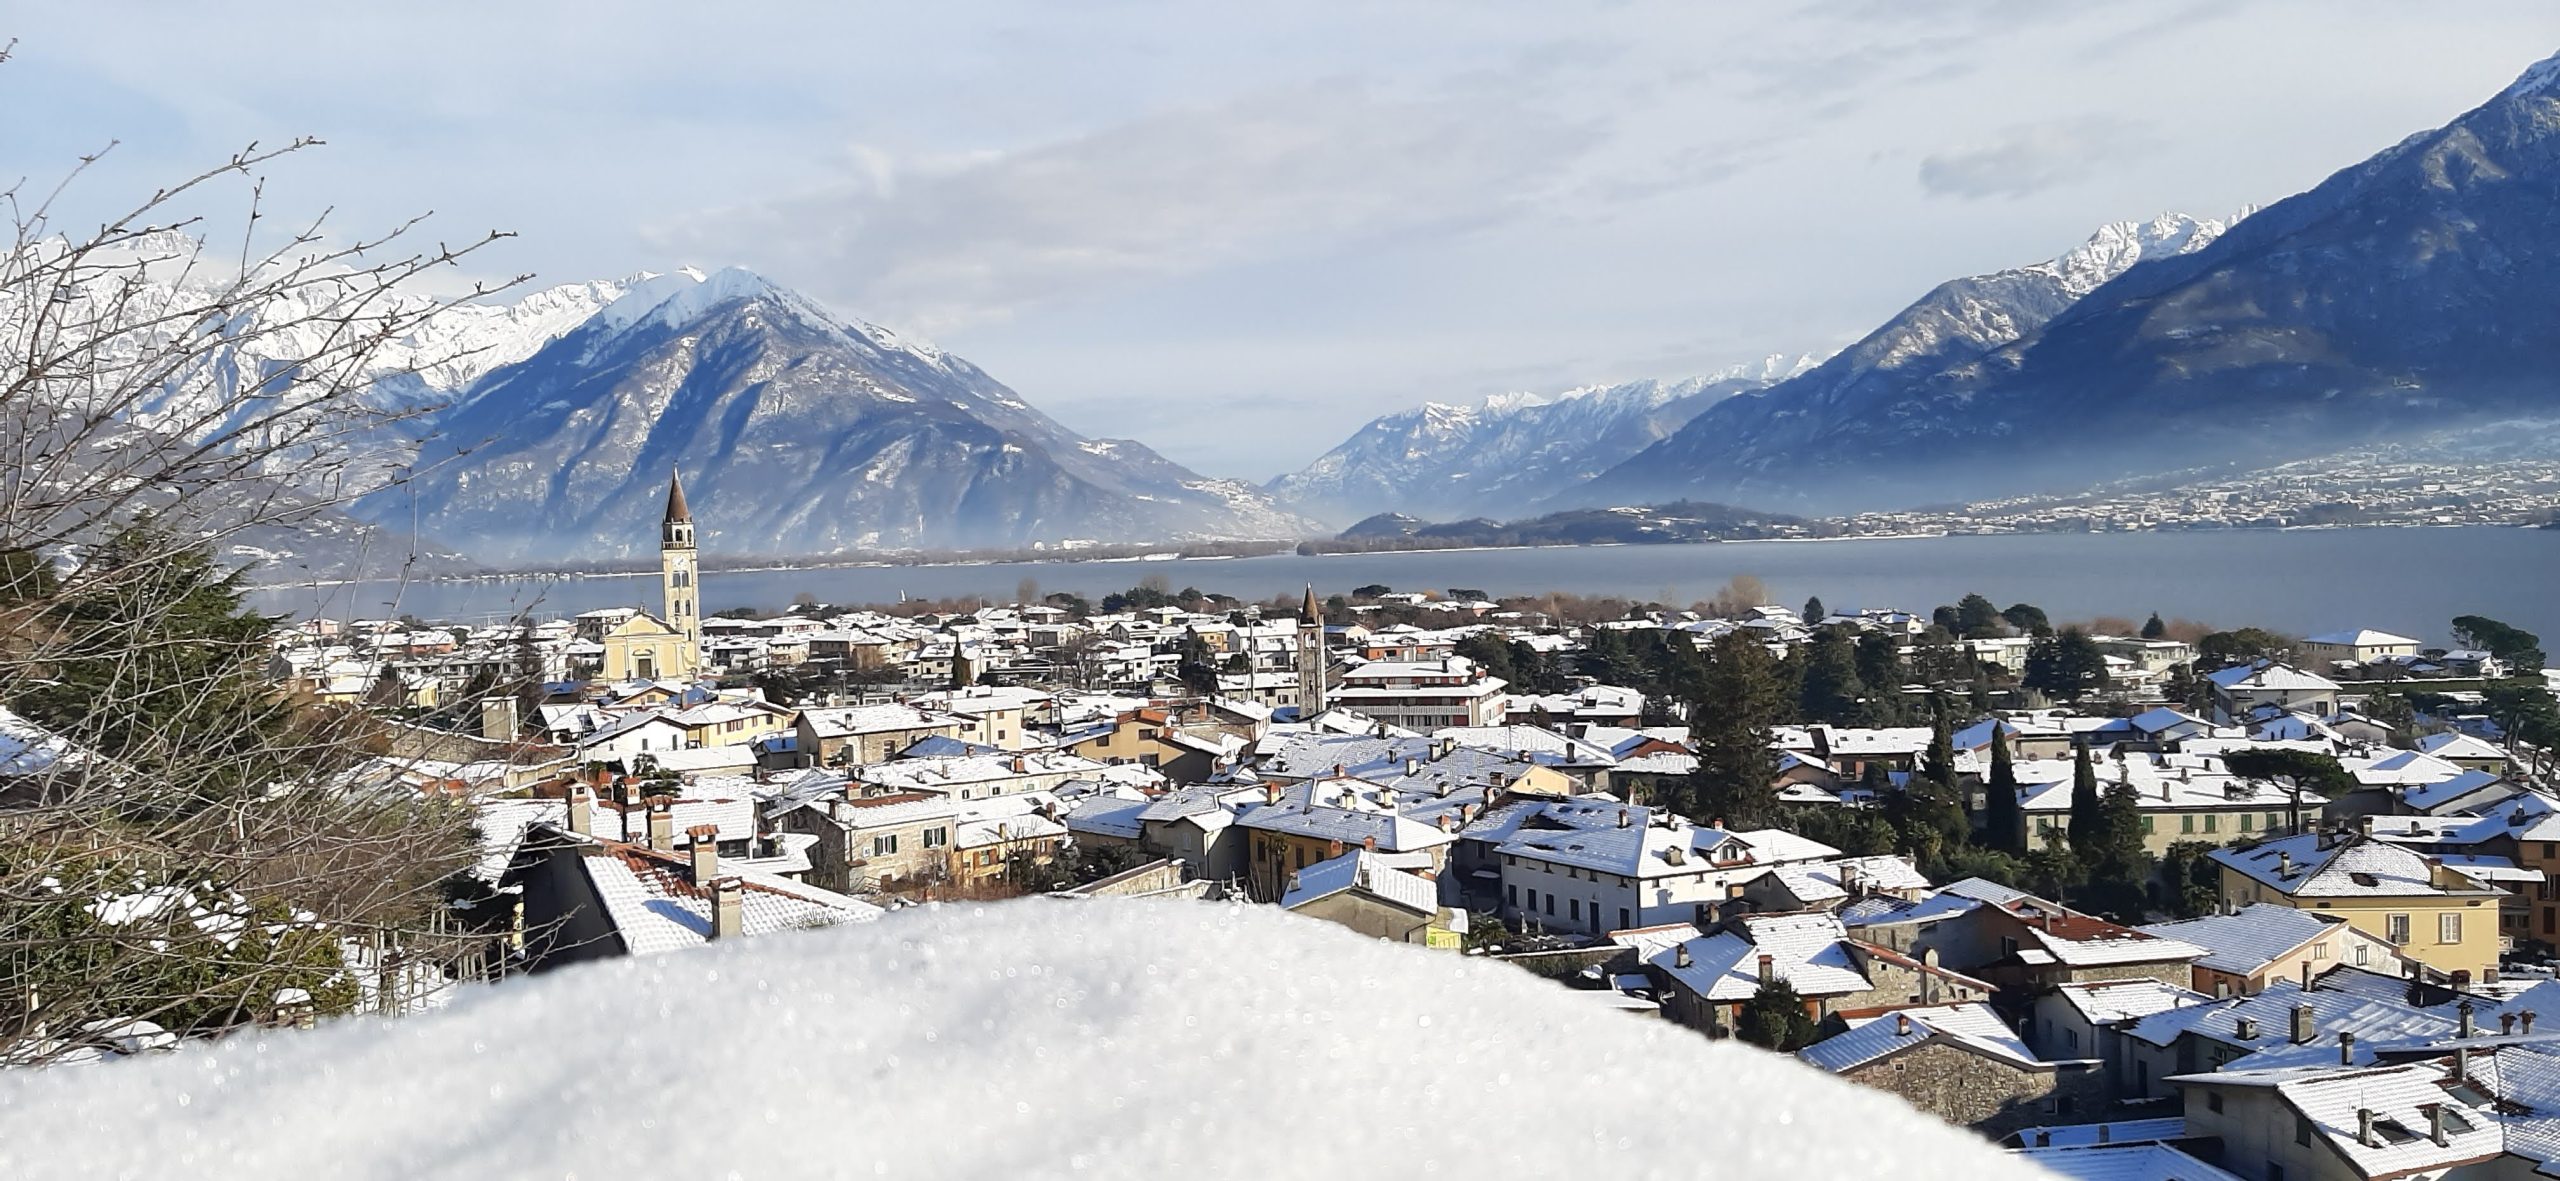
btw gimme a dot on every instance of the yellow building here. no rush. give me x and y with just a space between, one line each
649 647
2429 912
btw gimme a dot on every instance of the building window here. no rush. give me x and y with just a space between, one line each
2449 928
1623 924
1551 903
1573 909
935 838
2395 927
2186 824
2212 822
2319 951
1511 895
2302 1131
2213 1101
884 844
2146 826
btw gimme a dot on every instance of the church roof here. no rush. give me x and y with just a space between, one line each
677 510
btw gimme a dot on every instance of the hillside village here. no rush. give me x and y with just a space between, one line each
2137 905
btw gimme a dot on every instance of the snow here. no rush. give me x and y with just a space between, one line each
1028 1039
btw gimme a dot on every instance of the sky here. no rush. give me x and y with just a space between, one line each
1237 232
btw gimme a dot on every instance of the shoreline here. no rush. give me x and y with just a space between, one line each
1288 550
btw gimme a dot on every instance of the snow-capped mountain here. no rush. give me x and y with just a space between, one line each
798 433
1955 323
1495 457
2408 293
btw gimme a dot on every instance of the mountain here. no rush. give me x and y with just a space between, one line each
1680 521
2407 294
798 433
1954 325
1510 450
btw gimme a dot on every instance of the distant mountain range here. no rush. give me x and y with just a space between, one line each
1509 451
2412 292
1681 521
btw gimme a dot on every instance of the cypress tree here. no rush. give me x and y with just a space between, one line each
1737 703
2004 825
2085 802
2152 628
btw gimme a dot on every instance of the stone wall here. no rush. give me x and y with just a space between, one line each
1988 1095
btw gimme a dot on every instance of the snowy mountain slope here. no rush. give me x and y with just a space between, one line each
1023 1039
798 433
1493 458
1955 324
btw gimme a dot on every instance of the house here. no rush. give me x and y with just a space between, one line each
856 735
985 848
2103 1161
2432 913
2181 797
1594 866
2355 646
1829 885
2465 751
2320 1125
1368 892
2089 1020
1961 1063
1705 979
2241 689
2287 1026
1421 695
1318 820
2256 945
587 898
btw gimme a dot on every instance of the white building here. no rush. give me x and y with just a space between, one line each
1422 695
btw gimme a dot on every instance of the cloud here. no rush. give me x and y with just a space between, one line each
2030 158
938 242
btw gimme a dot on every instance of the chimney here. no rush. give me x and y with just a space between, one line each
2306 975
2248 1030
2103 1133
2364 1127
2462 1064
1901 1025
2346 1048
1768 967
705 848
1412 767
2526 1022
2435 1124
1021 765
1622 818
662 823
582 820
2466 1029
2302 1031
1680 956
1369 844
2284 863
2506 1024
1849 879
728 908
1332 849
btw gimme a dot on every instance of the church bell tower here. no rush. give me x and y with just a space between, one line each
679 568
1311 657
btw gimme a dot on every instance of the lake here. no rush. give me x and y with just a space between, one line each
2406 580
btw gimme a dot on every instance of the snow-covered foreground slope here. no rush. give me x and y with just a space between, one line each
1029 1039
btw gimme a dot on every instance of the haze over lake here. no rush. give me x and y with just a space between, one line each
2410 581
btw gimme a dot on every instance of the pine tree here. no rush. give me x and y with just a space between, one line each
1813 612
1830 690
2085 801
2152 628
2119 866
1730 720
2004 825
1880 669
1774 1018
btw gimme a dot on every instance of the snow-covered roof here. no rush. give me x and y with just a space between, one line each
2246 942
1970 1026
2106 1001
2454 744
1821 881
2399 1099
2363 637
2271 677
2125 1162
2316 865
1361 869
1808 951
656 906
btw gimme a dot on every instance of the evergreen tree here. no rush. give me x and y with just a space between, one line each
2085 801
1880 670
1813 612
1977 619
2028 618
1729 722
2119 866
2152 628
1775 1018
2065 665
1830 690
2004 826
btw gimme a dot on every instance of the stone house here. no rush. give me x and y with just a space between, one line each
1961 1063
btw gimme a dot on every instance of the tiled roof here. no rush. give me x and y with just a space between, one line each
2350 867
655 906
1809 952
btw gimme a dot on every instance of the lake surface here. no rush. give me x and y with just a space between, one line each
2410 581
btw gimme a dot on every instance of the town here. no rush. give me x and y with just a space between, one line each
2133 899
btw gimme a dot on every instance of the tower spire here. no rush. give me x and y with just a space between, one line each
677 510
